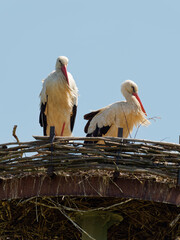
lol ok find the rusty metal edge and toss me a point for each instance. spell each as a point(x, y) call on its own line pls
point(78, 186)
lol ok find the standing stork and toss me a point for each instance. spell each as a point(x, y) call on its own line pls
point(125, 114)
point(59, 98)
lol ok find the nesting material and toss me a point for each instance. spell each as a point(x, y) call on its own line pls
point(54, 217)
point(147, 159)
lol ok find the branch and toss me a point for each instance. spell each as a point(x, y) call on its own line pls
point(14, 134)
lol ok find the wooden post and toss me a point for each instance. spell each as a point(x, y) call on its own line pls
point(120, 132)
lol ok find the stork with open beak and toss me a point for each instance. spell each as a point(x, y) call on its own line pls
point(58, 100)
point(125, 114)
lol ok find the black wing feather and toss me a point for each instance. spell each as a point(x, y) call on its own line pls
point(73, 116)
point(98, 132)
point(89, 117)
point(43, 118)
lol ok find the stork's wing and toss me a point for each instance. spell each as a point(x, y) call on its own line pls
point(73, 116)
point(89, 117)
point(74, 100)
point(43, 103)
point(98, 131)
point(43, 119)
point(98, 123)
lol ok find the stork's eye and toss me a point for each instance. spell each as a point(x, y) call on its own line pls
point(133, 88)
point(60, 61)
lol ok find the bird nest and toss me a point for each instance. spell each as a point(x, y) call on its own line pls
point(133, 157)
point(55, 217)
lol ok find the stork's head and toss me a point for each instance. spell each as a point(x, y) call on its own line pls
point(61, 65)
point(129, 90)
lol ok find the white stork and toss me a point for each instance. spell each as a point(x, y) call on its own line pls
point(125, 114)
point(59, 98)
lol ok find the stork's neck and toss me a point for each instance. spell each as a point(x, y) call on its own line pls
point(60, 73)
point(131, 99)
point(128, 96)
point(58, 70)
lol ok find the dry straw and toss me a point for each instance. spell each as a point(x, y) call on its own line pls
point(54, 218)
point(131, 156)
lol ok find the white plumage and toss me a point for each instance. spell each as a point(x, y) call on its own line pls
point(59, 99)
point(125, 114)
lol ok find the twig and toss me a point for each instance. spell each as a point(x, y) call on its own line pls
point(14, 134)
point(175, 221)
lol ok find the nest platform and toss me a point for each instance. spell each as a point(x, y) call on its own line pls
point(45, 186)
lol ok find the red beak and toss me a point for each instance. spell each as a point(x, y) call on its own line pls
point(137, 97)
point(63, 69)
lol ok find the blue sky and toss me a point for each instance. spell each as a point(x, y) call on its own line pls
point(106, 42)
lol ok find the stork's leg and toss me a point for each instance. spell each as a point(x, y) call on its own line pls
point(62, 131)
